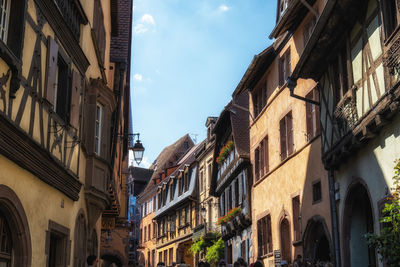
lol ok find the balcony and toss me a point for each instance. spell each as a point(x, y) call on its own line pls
point(391, 58)
point(346, 112)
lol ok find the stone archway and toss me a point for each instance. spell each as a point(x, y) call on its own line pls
point(317, 243)
point(357, 221)
point(12, 211)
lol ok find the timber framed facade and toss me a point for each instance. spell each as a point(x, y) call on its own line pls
point(58, 185)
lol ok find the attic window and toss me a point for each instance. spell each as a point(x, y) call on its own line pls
point(283, 5)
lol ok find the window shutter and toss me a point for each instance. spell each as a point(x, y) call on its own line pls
point(261, 159)
point(288, 64)
point(282, 128)
point(75, 99)
point(289, 124)
point(257, 163)
point(240, 190)
point(259, 237)
point(309, 119)
point(51, 72)
point(281, 67)
point(317, 112)
point(266, 159)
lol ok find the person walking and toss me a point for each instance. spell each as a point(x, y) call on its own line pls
point(92, 261)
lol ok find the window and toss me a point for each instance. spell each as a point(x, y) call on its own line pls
point(57, 239)
point(149, 233)
point(145, 234)
point(165, 256)
point(296, 217)
point(12, 26)
point(222, 204)
point(236, 183)
point(141, 235)
point(259, 99)
point(4, 19)
point(317, 193)
point(283, 5)
point(159, 256)
point(154, 230)
point(390, 16)
point(171, 256)
point(98, 126)
point(186, 181)
point(180, 185)
point(312, 115)
point(208, 182)
point(284, 67)
point(229, 192)
point(6, 244)
point(261, 166)
point(62, 90)
point(286, 135)
point(171, 192)
point(264, 235)
point(187, 214)
point(201, 181)
point(99, 30)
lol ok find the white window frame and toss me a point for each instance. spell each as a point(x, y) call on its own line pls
point(4, 19)
point(97, 130)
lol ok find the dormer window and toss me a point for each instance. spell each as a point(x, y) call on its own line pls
point(283, 5)
point(4, 19)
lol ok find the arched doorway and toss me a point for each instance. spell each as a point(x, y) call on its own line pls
point(357, 221)
point(317, 244)
point(80, 241)
point(285, 240)
point(15, 245)
point(111, 261)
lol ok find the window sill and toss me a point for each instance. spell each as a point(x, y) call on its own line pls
point(297, 243)
point(317, 201)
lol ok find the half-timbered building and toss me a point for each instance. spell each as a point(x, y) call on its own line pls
point(176, 210)
point(353, 55)
point(62, 135)
point(231, 178)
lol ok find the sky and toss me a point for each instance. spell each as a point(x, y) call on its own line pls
point(188, 56)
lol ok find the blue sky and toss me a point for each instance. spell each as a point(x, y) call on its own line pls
point(187, 58)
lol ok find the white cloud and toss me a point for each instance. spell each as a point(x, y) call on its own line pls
point(138, 77)
point(140, 28)
point(223, 8)
point(147, 18)
point(144, 164)
point(145, 23)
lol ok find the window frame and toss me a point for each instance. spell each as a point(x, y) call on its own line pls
point(286, 136)
point(264, 236)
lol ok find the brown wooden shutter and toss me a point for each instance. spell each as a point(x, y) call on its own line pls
point(261, 147)
point(281, 71)
point(317, 112)
point(282, 129)
point(260, 239)
point(309, 116)
point(75, 99)
point(289, 124)
point(51, 71)
point(257, 163)
point(288, 64)
point(266, 159)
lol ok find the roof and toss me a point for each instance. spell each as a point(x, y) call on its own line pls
point(256, 70)
point(236, 114)
point(140, 174)
point(170, 154)
point(186, 160)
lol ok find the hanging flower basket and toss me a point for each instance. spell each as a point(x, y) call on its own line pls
point(224, 152)
point(229, 216)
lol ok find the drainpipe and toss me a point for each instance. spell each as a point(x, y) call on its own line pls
point(334, 217)
point(291, 83)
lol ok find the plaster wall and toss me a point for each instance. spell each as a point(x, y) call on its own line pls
point(41, 203)
point(374, 164)
point(149, 245)
point(294, 176)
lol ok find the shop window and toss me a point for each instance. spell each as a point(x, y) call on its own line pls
point(286, 135)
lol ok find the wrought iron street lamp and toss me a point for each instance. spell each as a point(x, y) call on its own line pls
point(137, 148)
